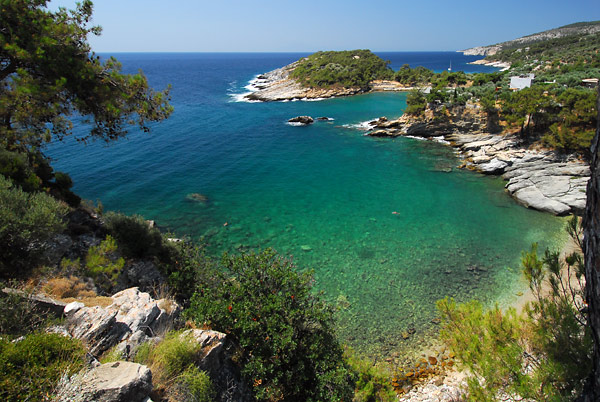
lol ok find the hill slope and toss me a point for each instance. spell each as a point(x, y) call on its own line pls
point(577, 30)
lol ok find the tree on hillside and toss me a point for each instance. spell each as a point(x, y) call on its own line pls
point(48, 74)
point(526, 108)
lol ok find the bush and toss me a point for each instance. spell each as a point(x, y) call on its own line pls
point(289, 350)
point(189, 268)
point(169, 358)
point(348, 68)
point(372, 383)
point(103, 264)
point(31, 368)
point(172, 362)
point(26, 221)
point(193, 385)
point(137, 239)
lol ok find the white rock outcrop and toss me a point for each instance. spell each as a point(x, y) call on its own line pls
point(111, 382)
point(133, 318)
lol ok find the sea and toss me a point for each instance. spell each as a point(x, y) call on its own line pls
point(388, 226)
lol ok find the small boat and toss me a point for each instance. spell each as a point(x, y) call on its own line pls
point(450, 68)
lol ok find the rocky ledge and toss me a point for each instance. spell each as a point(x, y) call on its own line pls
point(537, 178)
point(277, 85)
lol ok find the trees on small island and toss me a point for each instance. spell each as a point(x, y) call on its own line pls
point(349, 68)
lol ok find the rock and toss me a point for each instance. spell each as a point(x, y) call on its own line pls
point(213, 344)
point(197, 197)
point(142, 274)
point(133, 318)
point(276, 85)
point(382, 133)
point(73, 307)
point(532, 197)
point(111, 382)
point(43, 304)
point(56, 249)
point(216, 361)
point(325, 119)
point(305, 120)
point(306, 248)
point(96, 327)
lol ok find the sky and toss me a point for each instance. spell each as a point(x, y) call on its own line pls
point(312, 25)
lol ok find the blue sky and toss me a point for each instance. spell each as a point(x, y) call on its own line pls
point(311, 25)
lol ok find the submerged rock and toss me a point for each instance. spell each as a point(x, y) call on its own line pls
point(197, 197)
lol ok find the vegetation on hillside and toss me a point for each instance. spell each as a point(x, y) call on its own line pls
point(348, 68)
point(557, 110)
point(285, 332)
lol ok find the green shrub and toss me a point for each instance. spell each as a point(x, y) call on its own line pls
point(169, 358)
point(193, 385)
point(142, 353)
point(189, 268)
point(137, 239)
point(112, 355)
point(31, 368)
point(289, 350)
point(372, 383)
point(174, 373)
point(26, 221)
point(103, 264)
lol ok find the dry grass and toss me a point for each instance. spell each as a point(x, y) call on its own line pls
point(68, 287)
point(72, 288)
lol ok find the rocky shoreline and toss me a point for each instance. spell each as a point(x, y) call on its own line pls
point(537, 178)
point(502, 65)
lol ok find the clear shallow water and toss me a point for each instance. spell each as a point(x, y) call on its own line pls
point(389, 226)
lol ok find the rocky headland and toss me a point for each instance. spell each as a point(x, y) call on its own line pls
point(277, 85)
point(537, 178)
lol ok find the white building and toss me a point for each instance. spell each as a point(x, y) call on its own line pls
point(519, 82)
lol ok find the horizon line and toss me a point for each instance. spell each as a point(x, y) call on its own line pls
point(269, 51)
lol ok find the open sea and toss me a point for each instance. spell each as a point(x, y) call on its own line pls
point(388, 226)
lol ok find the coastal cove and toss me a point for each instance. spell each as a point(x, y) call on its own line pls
point(388, 225)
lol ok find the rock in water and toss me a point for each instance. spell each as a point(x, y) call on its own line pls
point(305, 120)
point(110, 382)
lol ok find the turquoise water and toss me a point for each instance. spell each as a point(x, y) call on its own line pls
point(388, 226)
